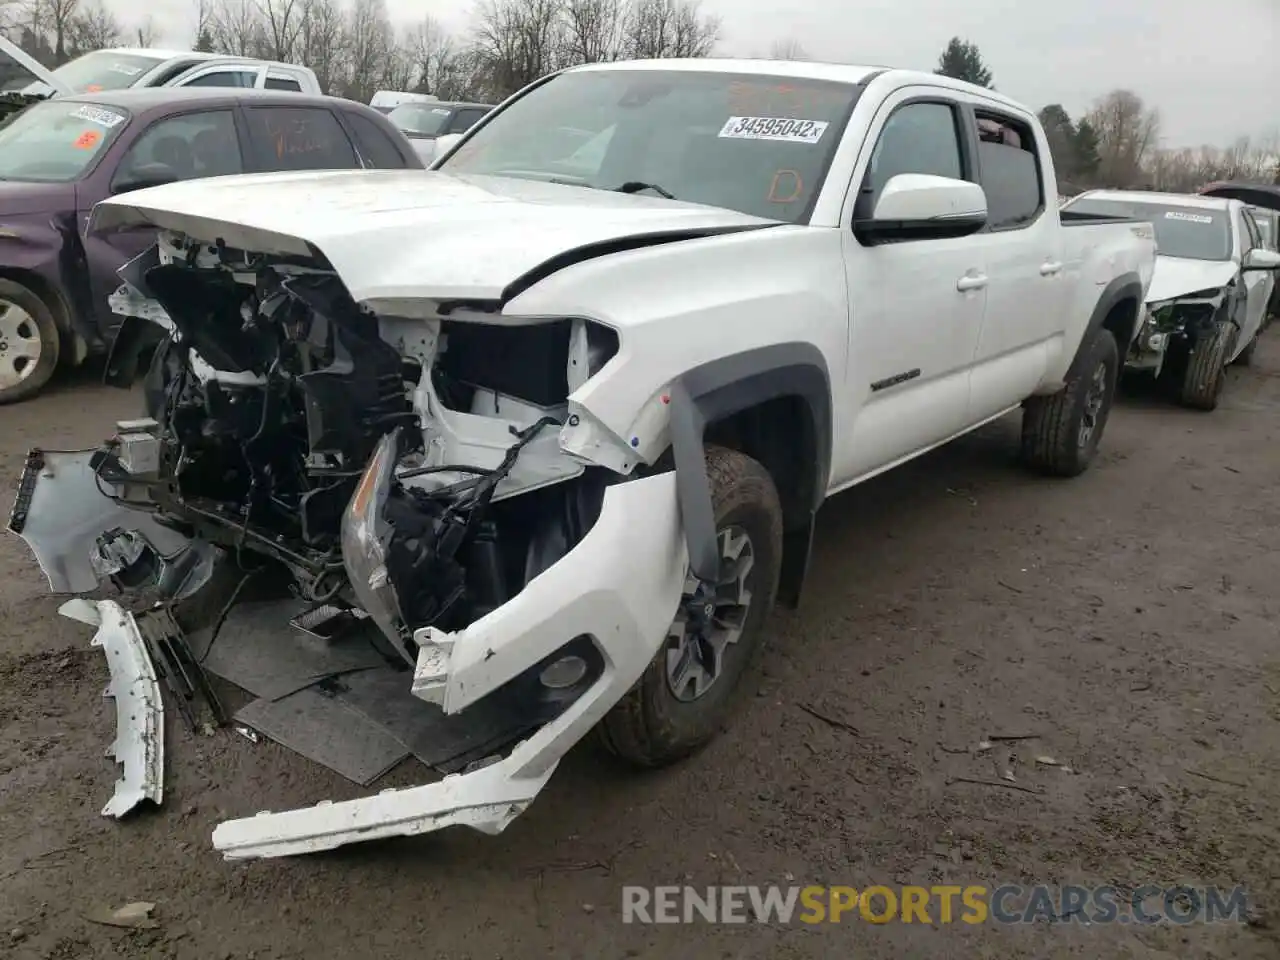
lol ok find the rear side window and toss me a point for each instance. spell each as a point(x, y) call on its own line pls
point(283, 83)
point(918, 138)
point(300, 138)
point(375, 146)
point(1010, 171)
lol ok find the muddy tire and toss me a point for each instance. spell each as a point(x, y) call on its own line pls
point(1207, 368)
point(1061, 432)
point(674, 709)
point(30, 344)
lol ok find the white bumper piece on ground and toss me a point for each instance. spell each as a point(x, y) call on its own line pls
point(620, 585)
point(139, 743)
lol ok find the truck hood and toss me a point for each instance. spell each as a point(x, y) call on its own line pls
point(1177, 277)
point(20, 197)
point(414, 235)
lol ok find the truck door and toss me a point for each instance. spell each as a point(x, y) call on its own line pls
point(916, 306)
point(1025, 259)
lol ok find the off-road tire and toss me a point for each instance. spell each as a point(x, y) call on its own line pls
point(1207, 368)
point(50, 342)
point(649, 727)
point(1051, 425)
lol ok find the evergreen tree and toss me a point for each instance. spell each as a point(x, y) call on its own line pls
point(962, 61)
point(1061, 134)
point(1087, 157)
point(204, 42)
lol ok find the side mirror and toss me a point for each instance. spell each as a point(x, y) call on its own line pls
point(146, 175)
point(919, 206)
point(1261, 259)
point(443, 145)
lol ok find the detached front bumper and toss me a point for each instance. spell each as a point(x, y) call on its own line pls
point(620, 586)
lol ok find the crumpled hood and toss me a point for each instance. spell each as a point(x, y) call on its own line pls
point(397, 235)
point(1177, 277)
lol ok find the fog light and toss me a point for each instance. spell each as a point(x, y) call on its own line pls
point(564, 673)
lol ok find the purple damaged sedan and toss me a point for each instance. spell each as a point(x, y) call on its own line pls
point(61, 156)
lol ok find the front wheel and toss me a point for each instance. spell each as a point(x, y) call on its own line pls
point(1061, 432)
point(1206, 370)
point(29, 343)
point(686, 693)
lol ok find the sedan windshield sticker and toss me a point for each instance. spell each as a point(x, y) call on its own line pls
point(774, 128)
point(103, 118)
point(127, 69)
point(1189, 217)
point(88, 140)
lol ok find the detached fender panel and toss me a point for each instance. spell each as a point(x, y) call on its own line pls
point(721, 388)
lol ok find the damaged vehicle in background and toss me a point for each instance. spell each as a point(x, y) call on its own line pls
point(1264, 201)
point(462, 465)
point(1209, 299)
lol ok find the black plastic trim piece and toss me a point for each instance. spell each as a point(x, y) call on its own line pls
point(1126, 286)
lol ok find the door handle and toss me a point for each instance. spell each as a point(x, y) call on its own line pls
point(971, 281)
point(1050, 267)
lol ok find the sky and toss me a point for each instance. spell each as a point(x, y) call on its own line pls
point(1212, 68)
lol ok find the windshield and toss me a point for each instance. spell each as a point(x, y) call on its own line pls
point(1194, 233)
point(105, 70)
point(56, 141)
point(758, 145)
point(419, 119)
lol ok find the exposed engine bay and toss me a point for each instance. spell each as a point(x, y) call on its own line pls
point(271, 394)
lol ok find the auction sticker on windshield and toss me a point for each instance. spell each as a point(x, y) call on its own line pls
point(103, 118)
point(1189, 217)
point(774, 128)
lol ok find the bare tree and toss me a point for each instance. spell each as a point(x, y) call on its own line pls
point(669, 28)
point(145, 33)
point(518, 41)
point(55, 17)
point(593, 30)
point(93, 27)
point(323, 42)
point(788, 49)
point(369, 47)
point(432, 53)
point(1128, 132)
point(281, 25)
point(236, 27)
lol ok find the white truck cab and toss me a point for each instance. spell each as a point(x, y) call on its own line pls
point(122, 67)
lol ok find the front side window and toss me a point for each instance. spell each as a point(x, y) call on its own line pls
point(918, 138)
point(1192, 233)
point(186, 147)
point(105, 71)
point(224, 78)
point(283, 83)
point(57, 141)
point(300, 138)
point(758, 145)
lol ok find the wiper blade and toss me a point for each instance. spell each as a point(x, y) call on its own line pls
point(635, 186)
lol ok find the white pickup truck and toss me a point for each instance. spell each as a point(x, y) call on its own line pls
point(528, 446)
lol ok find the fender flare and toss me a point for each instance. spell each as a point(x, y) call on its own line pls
point(729, 385)
point(1126, 286)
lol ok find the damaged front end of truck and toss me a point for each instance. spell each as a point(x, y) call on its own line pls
point(403, 528)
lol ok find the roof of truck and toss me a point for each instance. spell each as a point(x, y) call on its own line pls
point(163, 54)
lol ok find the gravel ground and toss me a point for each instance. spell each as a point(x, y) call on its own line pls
point(1126, 618)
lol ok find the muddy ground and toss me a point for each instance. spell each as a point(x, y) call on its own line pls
point(1126, 618)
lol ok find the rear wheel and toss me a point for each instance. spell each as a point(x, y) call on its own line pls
point(687, 691)
point(1061, 433)
point(29, 343)
point(1207, 367)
